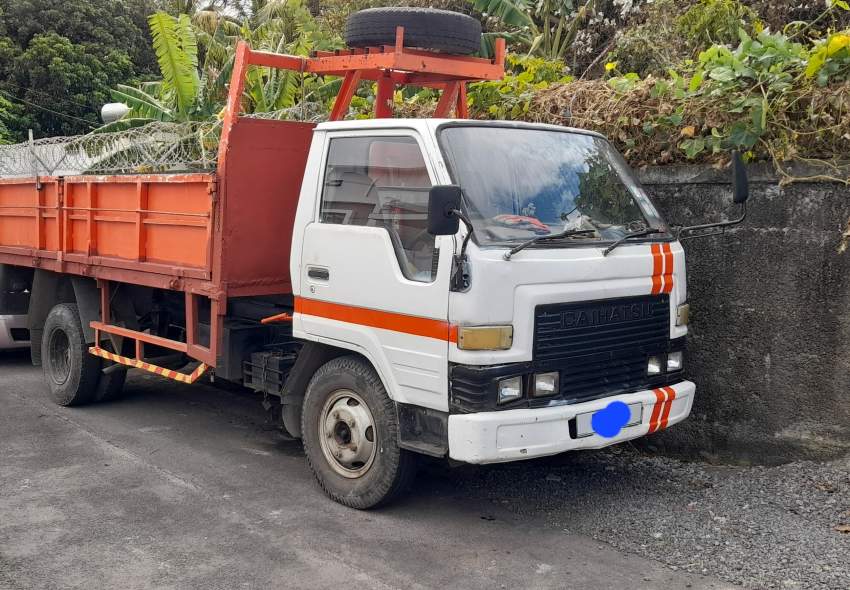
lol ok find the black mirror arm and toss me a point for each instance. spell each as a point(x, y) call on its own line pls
point(687, 233)
point(460, 273)
point(469, 229)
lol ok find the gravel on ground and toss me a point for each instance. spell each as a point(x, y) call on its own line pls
point(758, 527)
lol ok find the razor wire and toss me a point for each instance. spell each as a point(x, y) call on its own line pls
point(159, 147)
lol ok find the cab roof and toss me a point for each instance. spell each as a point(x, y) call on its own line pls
point(432, 125)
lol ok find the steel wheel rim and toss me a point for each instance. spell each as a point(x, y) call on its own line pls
point(347, 434)
point(59, 357)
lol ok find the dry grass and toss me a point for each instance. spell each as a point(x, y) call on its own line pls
point(810, 124)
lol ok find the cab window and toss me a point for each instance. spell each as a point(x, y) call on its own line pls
point(383, 182)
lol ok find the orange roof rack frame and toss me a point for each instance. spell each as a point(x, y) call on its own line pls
point(391, 66)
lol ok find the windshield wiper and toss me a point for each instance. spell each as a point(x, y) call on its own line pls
point(637, 234)
point(531, 242)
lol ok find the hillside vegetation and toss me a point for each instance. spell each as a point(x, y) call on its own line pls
point(667, 80)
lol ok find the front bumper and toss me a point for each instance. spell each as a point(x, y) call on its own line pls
point(509, 435)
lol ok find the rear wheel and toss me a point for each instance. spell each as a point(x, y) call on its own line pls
point(72, 374)
point(350, 434)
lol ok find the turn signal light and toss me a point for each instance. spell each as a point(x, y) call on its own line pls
point(485, 337)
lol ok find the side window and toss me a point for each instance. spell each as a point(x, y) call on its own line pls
point(383, 182)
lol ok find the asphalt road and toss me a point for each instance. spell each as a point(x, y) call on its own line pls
point(193, 487)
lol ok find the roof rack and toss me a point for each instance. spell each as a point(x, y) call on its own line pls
point(391, 66)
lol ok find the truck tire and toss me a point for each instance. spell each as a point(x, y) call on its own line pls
point(350, 435)
point(426, 28)
point(71, 373)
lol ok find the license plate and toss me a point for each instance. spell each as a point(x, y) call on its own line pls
point(584, 426)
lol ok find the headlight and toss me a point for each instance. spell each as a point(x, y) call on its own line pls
point(510, 389)
point(675, 361)
point(653, 367)
point(545, 384)
point(485, 337)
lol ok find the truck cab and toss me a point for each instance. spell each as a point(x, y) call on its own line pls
point(505, 356)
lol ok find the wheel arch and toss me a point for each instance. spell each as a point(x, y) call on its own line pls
point(314, 355)
point(49, 289)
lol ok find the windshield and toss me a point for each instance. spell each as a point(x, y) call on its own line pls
point(521, 183)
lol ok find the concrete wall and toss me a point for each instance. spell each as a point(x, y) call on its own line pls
point(770, 330)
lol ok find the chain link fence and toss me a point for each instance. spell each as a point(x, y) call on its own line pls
point(153, 148)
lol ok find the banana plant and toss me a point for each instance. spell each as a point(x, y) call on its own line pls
point(544, 28)
point(175, 97)
point(196, 54)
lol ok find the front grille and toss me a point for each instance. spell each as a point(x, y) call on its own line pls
point(601, 347)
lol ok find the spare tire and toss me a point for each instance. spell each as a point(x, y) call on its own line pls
point(426, 28)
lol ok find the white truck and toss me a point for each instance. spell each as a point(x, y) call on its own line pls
point(479, 291)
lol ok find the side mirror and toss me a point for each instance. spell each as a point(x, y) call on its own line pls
point(442, 200)
point(740, 179)
point(740, 194)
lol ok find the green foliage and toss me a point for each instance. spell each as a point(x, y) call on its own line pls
point(772, 97)
point(177, 53)
point(654, 45)
point(7, 113)
point(546, 28)
point(673, 32)
point(177, 96)
point(715, 21)
point(58, 87)
point(102, 26)
point(66, 78)
point(830, 59)
point(511, 97)
point(757, 80)
point(196, 55)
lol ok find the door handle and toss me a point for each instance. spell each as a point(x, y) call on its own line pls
point(320, 274)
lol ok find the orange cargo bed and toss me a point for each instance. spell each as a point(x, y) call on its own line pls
point(201, 233)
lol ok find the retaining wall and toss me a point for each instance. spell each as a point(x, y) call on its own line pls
point(770, 325)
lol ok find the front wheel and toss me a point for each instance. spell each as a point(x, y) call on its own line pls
point(350, 434)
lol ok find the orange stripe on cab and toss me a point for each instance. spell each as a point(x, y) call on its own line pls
point(657, 268)
point(374, 318)
point(668, 268)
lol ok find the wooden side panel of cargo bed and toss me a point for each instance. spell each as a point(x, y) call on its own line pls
point(264, 168)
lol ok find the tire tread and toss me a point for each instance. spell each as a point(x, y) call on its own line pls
point(427, 28)
point(87, 375)
point(388, 489)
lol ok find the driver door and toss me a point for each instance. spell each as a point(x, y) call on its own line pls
point(373, 279)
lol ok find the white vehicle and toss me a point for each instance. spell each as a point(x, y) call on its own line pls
point(478, 291)
point(14, 332)
point(14, 303)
